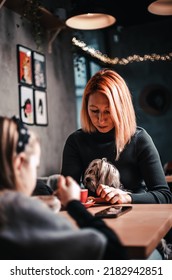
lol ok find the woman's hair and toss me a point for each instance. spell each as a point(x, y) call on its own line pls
point(13, 142)
point(111, 84)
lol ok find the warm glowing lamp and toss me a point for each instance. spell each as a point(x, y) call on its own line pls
point(161, 7)
point(86, 16)
point(90, 21)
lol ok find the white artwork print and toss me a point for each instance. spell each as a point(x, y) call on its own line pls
point(41, 107)
point(26, 105)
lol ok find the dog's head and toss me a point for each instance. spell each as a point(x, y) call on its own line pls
point(100, 171)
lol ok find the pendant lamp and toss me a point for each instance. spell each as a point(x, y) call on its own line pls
point(86, 16)
point(161, 7)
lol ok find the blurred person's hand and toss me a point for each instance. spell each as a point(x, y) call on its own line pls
point(67, 190)
point(113, 195)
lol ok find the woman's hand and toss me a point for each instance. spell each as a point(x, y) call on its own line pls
point(113, 195)
point(67, 190)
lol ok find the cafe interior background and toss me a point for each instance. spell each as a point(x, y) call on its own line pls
point(138, 45)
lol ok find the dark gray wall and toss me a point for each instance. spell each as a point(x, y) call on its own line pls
point(60, 85)
point(147, 39)
point(144, 39)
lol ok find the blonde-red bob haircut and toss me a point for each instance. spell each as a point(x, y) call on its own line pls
point(111, 84)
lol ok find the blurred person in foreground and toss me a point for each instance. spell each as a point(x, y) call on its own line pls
point(29, 229)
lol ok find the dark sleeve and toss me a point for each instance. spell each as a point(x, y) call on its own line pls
point(152, 172)
point(71, 162)
point(114, 249)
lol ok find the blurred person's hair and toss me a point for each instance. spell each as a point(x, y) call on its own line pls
point(13, 142)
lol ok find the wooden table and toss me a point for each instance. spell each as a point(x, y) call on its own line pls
point(140, 229)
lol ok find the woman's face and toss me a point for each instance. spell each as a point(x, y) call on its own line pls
point(99, 112)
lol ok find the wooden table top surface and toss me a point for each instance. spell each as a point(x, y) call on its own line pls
point(140, 229)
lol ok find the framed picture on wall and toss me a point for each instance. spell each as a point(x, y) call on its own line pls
point(24, 61)
point(39, 70)
point(41, 112)
point(26, 106)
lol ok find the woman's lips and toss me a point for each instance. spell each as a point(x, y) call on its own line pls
point(102, 127)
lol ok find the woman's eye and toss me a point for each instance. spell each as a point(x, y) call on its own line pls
point(107, 112)
point(95, 111)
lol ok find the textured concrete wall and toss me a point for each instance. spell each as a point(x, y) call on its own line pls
point(146, 39)
point(60, 85)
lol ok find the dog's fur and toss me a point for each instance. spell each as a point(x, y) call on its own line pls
point(100, 171)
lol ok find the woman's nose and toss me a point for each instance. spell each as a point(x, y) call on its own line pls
point(101, 117)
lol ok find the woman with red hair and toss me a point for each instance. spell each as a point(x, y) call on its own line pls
point(109, 130)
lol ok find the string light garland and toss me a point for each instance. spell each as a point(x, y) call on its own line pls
point(121, 61)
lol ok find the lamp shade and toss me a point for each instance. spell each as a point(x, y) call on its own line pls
point(161, 7)
point(90, 21)
point(88, 15)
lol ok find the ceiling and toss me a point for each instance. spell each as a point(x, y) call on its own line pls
point(126, 12)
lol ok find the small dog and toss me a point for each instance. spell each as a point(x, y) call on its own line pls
point(100, 171)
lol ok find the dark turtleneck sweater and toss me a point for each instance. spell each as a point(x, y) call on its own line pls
point(139, 164)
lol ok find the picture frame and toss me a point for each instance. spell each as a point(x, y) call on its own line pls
point(24, 61)
point(39, 70)
point(41, 108)
point(26, 104)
